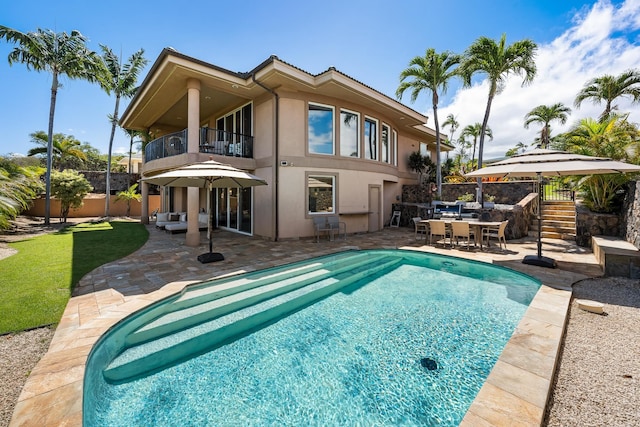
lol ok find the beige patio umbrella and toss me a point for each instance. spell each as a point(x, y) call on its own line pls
point(542, 162)
point(209, 174)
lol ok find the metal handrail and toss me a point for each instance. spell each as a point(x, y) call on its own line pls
point(212, 141)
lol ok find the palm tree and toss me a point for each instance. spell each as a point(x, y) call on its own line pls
point(120, 79)
point(474, 131)
point(545, 114)
point(60, 54)
point(497, 61)
point(607, 88)
point(431, 72)
point(63, 147)
point(132, 135)
point(453, 125)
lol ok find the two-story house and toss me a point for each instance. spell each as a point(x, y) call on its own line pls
point(325, 144)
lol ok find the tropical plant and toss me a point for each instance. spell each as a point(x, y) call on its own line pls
point(121, 79)
point(69, 187)
point(132, 135)
point(545, 114)
point(64, 147)
point(431, 72)
point(608, 88)
point(498, 61)
point(129, 195)
point(18, 187)
point(611, 138)
point(474, 131)
point(453, 125)
point(60, 54)
point(520, 147)
point(417, 164)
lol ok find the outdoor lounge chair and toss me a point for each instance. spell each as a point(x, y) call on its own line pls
point(320, 226)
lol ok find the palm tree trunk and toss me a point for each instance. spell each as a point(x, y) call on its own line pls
point(52, 110)
point(114, 123)
point(130, 149)
point(485, 121)
point(438, 165)
point(473, 156)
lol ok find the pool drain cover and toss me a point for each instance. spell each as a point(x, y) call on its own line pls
point(429, 363)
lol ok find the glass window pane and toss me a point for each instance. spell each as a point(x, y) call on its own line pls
point(349, 134)
point(384, 150)
point(370, 139)
point(321, 193)
point(320, 129)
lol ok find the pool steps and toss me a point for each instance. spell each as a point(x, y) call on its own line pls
point(207, 315)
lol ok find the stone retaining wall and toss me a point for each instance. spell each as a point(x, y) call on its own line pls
point(631, 214)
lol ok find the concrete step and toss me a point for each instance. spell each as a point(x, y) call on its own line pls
point(184, 313)
point(552, 235)
point(186, 342)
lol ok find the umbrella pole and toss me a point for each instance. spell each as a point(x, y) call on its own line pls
point(210, 256)
point(540, 260)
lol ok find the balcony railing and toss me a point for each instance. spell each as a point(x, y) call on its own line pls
point(212, 141)
point(225, 143)
point(168, 145)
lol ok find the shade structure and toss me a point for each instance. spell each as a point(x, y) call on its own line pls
point(542, 162)
point(209, 174)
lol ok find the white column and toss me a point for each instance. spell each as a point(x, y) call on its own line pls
point(193, 139)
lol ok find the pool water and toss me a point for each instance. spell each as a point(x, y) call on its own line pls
point(412, 345)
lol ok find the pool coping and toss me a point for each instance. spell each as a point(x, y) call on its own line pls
point(515, 392)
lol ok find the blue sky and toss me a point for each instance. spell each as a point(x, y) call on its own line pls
point(371, 41)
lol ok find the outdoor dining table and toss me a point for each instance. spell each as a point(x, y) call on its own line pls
point(477, 226)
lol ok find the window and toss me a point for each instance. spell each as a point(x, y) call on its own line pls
point(395, 148)
point(370, 139)
point(349, 134)
point(384, 140)
point(320, 129)
point(424, 149)
point(321, 190)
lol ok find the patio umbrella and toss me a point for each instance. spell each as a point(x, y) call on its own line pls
point(209, 174)
point(542, 162)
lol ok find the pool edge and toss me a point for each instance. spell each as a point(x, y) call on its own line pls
point(517, 390)
point(53, 392)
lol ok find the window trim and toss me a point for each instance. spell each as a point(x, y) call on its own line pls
point(358, 151)
point(333, 128)
point(395, 147)
point(388, 150)
point(334, 177)
point(377, 140)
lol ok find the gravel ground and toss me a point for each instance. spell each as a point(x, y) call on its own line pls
point(597, 383)
point(19, 353)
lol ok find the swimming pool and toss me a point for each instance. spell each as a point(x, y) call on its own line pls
point(381, 337)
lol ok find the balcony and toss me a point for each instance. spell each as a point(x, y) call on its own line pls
point(212, 141)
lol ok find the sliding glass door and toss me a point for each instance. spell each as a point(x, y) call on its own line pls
point(234, 209)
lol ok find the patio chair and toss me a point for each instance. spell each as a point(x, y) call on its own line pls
point(496, 233)
point(461, 229)
point(438, 228)
point(335, 225)
point(419, 227)
point(320, 225)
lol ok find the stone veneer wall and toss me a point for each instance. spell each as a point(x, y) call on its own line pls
point(631, 214)
point(505, 192)
point(595, 224)
point(119, 181)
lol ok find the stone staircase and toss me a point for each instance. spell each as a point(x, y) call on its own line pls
point(558, 220)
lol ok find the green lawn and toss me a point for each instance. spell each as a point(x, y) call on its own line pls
point(36, 283)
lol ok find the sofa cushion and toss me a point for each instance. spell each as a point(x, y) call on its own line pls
point(174, 217)
point(183, 217)
point(162, 216)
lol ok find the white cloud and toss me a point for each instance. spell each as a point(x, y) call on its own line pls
point(595, 45)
